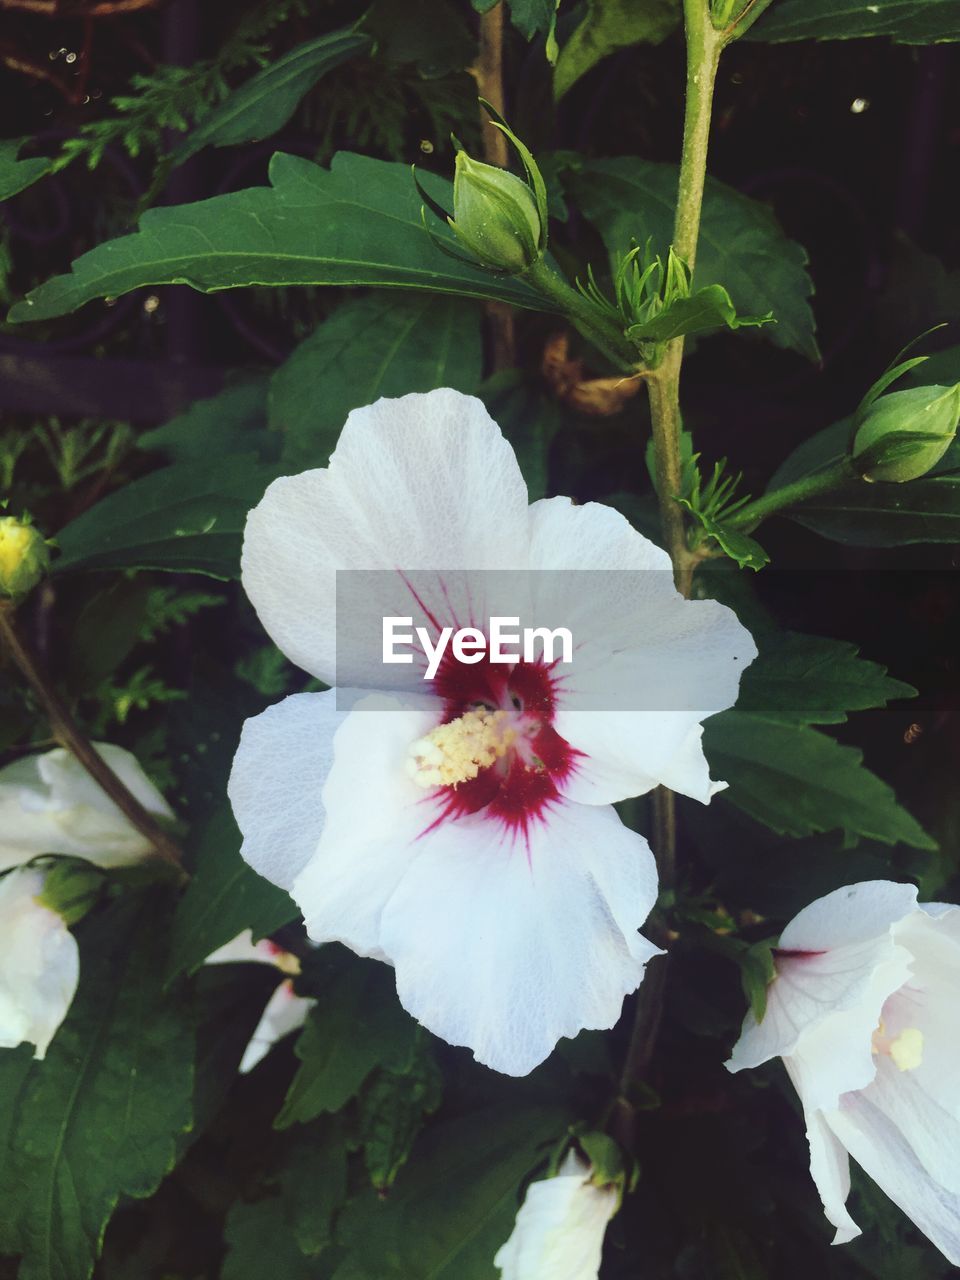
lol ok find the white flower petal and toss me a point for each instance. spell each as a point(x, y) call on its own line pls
point(243, 950)
point(830, 1170)
point(50, 804)
point(883, 1152)
point(855, 913)
point(668, 662)
point(836, 956)
point(933, 1133)
point(558, 1234)
point(933, 939)
point(285, 1013)
point(506, 947)
point(422, 482)
point(822, 1008)
point(276, 783)
point(39, 964)
point(376, 813)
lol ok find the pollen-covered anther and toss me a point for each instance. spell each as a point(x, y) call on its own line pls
point(456, 752)
point(906, 1049)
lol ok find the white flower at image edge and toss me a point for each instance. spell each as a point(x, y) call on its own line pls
point(863, 1011)
point(559, 1230)
point(50, 804)
point(484, 862)
point(284, 1012)
point(39, 963)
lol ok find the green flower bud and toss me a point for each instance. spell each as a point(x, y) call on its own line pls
point(24, 556)
point(495, 215)
point(903, 435)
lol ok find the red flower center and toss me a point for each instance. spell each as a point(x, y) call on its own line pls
point(518, 788)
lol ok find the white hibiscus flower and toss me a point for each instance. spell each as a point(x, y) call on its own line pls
point(39, 963)
point(558, 1234)
point(863, 1013)
point(50, 804)
point(465, 834)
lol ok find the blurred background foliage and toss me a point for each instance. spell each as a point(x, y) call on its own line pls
point(139, 430)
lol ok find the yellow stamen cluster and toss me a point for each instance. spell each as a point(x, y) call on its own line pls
point(906, 1049)
point(456, 752)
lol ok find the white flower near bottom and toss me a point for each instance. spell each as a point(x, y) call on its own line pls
point(285, 1011)
point(558, 1234)
point(463, 829)
point(50, 804)
point(39, 963)
point(864, 1013)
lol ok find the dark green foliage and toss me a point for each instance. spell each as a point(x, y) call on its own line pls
point(362, 1147)
point(100, 1116)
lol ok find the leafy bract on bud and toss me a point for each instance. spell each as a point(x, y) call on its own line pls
point(24, 556)
point(901, 436)
point(495, 215)
point(654, 302)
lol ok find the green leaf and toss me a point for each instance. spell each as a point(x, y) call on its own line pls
point(705, 311)
point(260, 1243)
point(283, 1231)
point(99, 1117)
point(940, 369)
point(187, 518)
point(741, 244)
point(533, 17)
point(224, 897)
point(746, 551)
point(263, 104)
point(392, 1111)
point(430, 35)
point(358, 222)
point(314, 1181)
point(356, 1026)
point(232, 421)
point(16, 175)
point(607, 26)
point(904, 21)
point(371, 347)
point(875, 515)
point(798, 782)
point(106, 631)
point(530, 17)
point(529, 420)
point(454, 1205)
point(799, 679)
point(757, 971)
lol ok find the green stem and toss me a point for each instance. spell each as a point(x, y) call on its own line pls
point(831, 477)
point(663, 387)
point(704, 46)
point(602, 332)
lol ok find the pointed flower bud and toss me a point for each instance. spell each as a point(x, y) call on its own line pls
point(24, 556)
point(901, 436)
point(496, 215)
